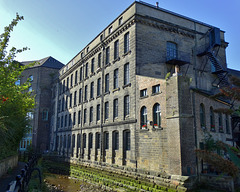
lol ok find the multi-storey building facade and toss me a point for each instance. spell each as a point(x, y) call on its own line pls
point(138, 95)
point(41, 75)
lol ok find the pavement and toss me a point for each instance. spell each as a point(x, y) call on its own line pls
point(7, 178)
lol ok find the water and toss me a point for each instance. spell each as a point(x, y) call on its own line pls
point(57, 183)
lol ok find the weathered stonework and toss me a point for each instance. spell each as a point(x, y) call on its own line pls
point(148, 146)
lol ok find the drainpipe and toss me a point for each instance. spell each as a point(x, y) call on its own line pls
point(102, 103)
point(193, 94)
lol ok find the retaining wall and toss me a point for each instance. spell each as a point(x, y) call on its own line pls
point(7, 164)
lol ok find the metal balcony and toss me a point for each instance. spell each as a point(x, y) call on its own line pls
point(177, 58)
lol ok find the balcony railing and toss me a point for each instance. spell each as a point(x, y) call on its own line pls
point(177, 58)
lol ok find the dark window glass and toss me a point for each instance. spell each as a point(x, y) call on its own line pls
point(99, 86)
point(86, 70)
point(115, 79)
point(126, 43)
point(107, 83)
point(92, 90)
point(80, 96)
point(126, 74)
point(116, 49)
point(92, 65)
point(76, 77)
point(143, 116)
point(126, 105)
point(157, 115)
point(115, 108)
point(85, 95)
point(91, 114)
point(106, 140)
point(107, 55)
point(98, 112)
point(99, 59)
point(106, 110)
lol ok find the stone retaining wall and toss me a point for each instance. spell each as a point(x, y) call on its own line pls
point(7, 164)
point(218, 182)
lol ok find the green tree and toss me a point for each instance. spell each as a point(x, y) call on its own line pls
point(15, 100)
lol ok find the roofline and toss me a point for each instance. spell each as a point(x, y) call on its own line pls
point(173, 13)
point(142, 3)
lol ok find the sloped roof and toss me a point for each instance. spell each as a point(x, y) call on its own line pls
point(49, 62)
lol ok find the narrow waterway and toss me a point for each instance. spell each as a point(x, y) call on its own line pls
point(62, 183)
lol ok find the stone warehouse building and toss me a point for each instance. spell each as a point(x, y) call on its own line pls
point(41, 75)
point(138, 95)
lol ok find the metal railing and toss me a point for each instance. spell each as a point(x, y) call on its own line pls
point(22, 180)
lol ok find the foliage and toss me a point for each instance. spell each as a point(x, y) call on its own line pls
point(220, 163)
point(15, 100)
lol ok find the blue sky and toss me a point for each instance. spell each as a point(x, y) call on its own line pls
point(61, 28)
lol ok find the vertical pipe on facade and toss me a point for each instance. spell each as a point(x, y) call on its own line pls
point(136, 113)
point(193, 95)
point(102, 102)
point(82, 112)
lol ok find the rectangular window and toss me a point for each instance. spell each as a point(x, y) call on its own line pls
point(71, 80)
point(62, 104)
point(85, 116)
point(99, 59)
point(98, 112)
point(115, 108)
point(62, 121)
point(91, 115)
point(156, 89)
point(80, 96)
point(92, 65)
point(220, 124)
point(126, 42)
point(67, 83)
point(115, 140)
point(227, 124)
point(85, 95)
point(107, 55)
point(75, 98)
point(120, 20)
point(107, 83)
point(126, 105)
point(63, 86)
point(74, 118)
point(110, 30)
point(79, 117)
point(99, 86)
point(90, 143)
point(86, 70)
point(127, 140)
point(143, 93)
point(65, 121)
point(76, 77)
point(116, 49)
point(106, 110)
point(115, 79)
point(69, 120)
point(81, 74)
point(126, 74)
point(106, 140)
point(92, 90)
point(84, 140)
point(70, 102)
point(98, 140)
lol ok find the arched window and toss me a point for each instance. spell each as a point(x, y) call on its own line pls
point(157, 115)
point(202, 116)
point(171, 51)
point(212, 120)
point(143, 117)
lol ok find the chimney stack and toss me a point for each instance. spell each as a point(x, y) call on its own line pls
point(157, 5)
